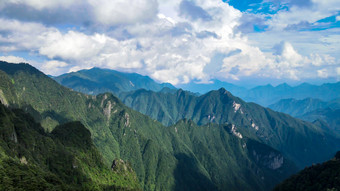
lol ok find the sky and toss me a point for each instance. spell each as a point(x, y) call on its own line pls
point(178, 41)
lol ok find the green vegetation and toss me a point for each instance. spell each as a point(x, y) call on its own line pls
point(183, 156)
point(325, 176)
point(66, 159)
point(302, 142)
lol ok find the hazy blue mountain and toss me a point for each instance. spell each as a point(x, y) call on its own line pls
point(326, 114)
point(296, 107)
point(214, 85)
point(323, 176)
point(181, 157)
point(266, 95)
point(95, 81)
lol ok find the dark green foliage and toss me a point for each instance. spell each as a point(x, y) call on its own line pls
point(31, 159)
point(96, 81)
point(73, 134)
point(325, 176)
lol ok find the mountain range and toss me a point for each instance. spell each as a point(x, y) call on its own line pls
point(326, 114)
point(215, 141)
point(96, 80)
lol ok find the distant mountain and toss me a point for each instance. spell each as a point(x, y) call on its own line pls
point(180, 157)
point(95, 81)
point(296, 107)
point(323, 176)
point(311, 110)
point(214, 85)
point(328, 115)
point(65, 159)
point(267, 95)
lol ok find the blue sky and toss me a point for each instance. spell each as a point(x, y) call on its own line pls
point(178, 41)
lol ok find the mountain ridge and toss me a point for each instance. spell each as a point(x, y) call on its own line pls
point(156, 153)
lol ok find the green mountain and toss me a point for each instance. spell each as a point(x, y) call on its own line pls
point(294, 137)
point(325, 176)
point(182, 157)
point(95, 81)
point(65, 159)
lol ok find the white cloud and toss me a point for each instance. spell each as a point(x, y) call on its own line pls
point(13, 59)
point(54, 67)
point(337, 18)
point(72, 45)
point(95, 12)
point(323, 73)
point(110, 12)
point(38, 4)
point(165, 45)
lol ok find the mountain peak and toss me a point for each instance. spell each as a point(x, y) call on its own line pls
point(11, 69)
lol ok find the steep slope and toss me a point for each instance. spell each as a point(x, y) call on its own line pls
point(95, 81)
point(224, 154)
point(156, 153)
point(325, 176)
point(295, 138)
point(66, 159)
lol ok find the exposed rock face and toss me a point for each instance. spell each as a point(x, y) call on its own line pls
point(236, 106)
point(23, 160)
point(234, 132)
point(119, 165)
point(107, 110)
point(3, 99)
point(127, 120)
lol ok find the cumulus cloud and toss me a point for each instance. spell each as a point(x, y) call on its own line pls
point(54, 67)
point(88, 12)
point(13, 59)
point(323, 73)
point(172, 41)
